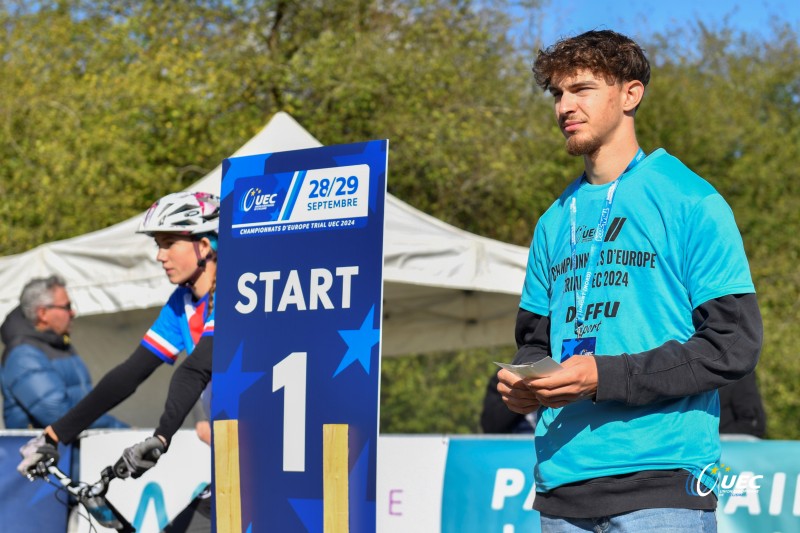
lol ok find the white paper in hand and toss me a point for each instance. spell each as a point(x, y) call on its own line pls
point(539, 369)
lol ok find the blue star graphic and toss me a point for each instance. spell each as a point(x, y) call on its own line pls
point(241, 167)
point(229, 385)
point(373, 150)
point(359, 343)
point(568, 348)
point(310, 511)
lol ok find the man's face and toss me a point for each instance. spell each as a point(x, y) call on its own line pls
point(588, 110)
point(58, 315)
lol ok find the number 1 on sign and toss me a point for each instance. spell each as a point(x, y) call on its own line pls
point(290, 375)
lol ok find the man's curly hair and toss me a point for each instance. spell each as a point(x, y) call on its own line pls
point(605, 53)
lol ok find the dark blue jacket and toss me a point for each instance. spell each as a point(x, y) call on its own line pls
point(41, 376)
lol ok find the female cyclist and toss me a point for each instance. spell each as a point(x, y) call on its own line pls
point(184, 226)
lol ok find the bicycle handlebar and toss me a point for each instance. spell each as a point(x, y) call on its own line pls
point(92, 497)
point(152, 452)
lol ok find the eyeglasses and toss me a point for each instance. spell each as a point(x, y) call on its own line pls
point(67, 307)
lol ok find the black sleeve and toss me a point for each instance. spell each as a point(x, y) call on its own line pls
point(741, 408)
point(532, 333)
point(495, 416)
point(119, 383)
point(185, 388)
point(724, 348)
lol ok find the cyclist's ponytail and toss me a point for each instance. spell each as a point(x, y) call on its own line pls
point(211, 294)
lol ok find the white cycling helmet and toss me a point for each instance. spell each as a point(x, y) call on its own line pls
point(187, 213)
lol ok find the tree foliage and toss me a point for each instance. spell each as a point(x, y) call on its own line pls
point(437, 393)
point(106, 105)
point(730, 109)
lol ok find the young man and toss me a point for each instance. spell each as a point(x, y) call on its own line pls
point(638, 284)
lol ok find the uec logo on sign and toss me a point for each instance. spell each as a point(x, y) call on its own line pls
point(254, 200)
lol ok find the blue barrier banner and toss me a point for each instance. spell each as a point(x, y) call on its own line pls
point(488, 486)
point(298, 316)
point(759, 486)
point(25, 506)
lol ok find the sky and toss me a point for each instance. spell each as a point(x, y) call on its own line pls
point(638, 18)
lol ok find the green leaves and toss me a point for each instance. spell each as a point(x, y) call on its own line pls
point(438, 393)
point(731, 112)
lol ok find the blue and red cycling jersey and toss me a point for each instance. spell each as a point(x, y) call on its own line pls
point(180, 325)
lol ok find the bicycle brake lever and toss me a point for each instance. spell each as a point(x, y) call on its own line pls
point(152, 454)
point(39, 470)
point(120, 469)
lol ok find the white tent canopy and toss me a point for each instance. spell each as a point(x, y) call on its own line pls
point(444, 288)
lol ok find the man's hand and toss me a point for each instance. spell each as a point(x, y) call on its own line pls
point(35, 451)
point(577, 381)
point(139, 458)
point(515, 393)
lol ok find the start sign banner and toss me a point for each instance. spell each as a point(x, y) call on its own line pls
point(297, 341)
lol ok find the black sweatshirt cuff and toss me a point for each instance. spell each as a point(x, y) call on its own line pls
point(612, 378)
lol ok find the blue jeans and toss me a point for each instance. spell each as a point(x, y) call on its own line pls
point(659, 520)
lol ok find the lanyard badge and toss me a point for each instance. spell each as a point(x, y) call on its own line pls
point(596, 246)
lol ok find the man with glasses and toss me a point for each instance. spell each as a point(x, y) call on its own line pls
point(42, 376)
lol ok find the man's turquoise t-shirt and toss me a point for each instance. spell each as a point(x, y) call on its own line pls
point(671, 244)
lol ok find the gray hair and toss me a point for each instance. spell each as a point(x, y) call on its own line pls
point(37, 293)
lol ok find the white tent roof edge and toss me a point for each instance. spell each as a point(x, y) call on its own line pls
point(114, 269)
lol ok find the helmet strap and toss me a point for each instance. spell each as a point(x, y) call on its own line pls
point(201, 265)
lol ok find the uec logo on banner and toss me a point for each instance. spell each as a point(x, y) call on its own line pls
point(728, 483)
point(255, 200)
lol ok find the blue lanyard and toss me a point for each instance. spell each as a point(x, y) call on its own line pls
point(597, 242)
